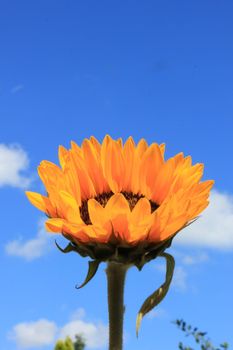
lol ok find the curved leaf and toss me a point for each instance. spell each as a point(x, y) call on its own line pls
point(69, 248)
point(92, 269)
point(155, 298)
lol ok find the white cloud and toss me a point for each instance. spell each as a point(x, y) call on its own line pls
point(179, 280)
point(17, 88)
point(80, 313)
point(156, 313)
point(34, 334)
point(215, 228)
point(43, 332)
point(195, 259)
point(13, 162)
point(31, 249)
point(95, 335)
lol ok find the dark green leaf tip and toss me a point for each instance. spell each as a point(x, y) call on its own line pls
point(92, 269)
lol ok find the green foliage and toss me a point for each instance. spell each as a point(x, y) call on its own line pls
point(64, 345)
point(59, 345)
point(79, 343)
point(67, 344)
point(200, 338)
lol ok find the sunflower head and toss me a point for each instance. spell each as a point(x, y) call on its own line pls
point(120, 202)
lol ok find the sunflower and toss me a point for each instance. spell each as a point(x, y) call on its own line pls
point(120, 202)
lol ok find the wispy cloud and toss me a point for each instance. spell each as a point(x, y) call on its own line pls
point(215, 228)
point(17, 88)
point(78, 314)
point(179, 281)
point(31, 249)
point(41, 333)
point(197, 258)
point(14, 162)
point(33, 334)
point(156, 313)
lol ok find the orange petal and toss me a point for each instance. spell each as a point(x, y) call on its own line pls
point(139, 152)
point(98, 214)
point(113, 164)
point(86, 234)
point(175, 225)
point(62, 154)
point(138, 234)
point(120, 225)
point(162, 183)
point(51, 175)
point(96, 144)
point(141, 212)
point(86, 185)
point(41, 202)
point(92, 160)
point(70, 208)
point(54, 225)
point(150, 166)
point(76, 148)
point(72, 180)
point(162, 147)
point(116, 205)
point(128, 154)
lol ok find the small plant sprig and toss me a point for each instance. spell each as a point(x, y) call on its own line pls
point(200, 337)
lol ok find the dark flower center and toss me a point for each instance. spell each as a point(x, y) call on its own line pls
point(103, 198)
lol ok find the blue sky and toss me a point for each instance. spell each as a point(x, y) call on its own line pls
point(161, 70)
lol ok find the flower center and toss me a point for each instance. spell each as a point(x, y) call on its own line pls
point(103, 198)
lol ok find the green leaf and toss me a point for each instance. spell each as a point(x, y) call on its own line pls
point(69, 248)
point(92, 269)
point(155, 298)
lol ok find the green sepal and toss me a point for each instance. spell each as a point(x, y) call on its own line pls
point(92, 269)
point(155, 298)
point(69, 248)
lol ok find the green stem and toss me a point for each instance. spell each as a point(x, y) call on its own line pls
point(116, 273)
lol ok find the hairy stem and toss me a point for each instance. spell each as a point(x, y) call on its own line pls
point(116, 278)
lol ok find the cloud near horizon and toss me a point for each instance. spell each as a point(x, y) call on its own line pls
point(36, 334)
point(41, 333)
